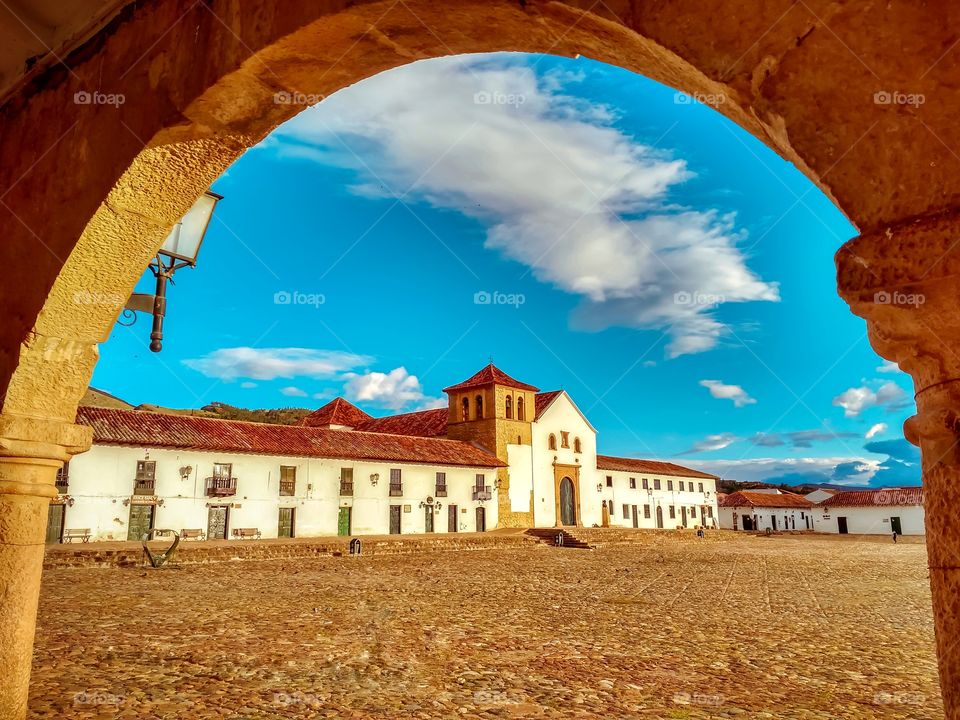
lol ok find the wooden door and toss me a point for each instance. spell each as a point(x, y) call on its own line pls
point(481, 519)
point(683, 515)
point(343, 522)
point(395, 511)
point(55, 517)
point(285, 523)
point(842, 525)
point(428, 519)
point(217, 522)
point(452, 521)
point(895, 526)
point(636, 519)
point(141, 521)
point(568, 513)
point(659, 516)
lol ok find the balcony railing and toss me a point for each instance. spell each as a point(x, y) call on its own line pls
point(221, 486)
point(145, 487)
point(396, 489)
point(346, 487)
point(441, 491)
point(288, 487)
point(482, 493)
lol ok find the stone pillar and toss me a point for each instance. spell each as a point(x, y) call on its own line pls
point(31, 452)
point(905, 281)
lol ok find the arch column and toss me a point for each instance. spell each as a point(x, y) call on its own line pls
point(31, 452)
point(904, 279)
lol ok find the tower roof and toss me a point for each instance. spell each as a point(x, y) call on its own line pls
point(337, 412)
point(490, 375)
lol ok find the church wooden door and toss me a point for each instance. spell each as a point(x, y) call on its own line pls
point(568, 512)
point(141, 521)
point(217, 522)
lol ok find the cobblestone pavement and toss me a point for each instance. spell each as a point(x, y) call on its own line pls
point(784, 627)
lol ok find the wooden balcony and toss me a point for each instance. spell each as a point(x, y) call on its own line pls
point(62, 484)
point(221, 486)
point(346, 487)
point(145, 487)
point(482, 493)
point(288, 487)
point(396, 489)
point(441, 491)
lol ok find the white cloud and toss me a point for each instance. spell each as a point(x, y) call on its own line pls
point(394, 390)
point(292, 391)
point(794, 471)
point(271, 363)
point(248, 385)
point(875, 430)
point(855, 400)
point(888, 367)
point(711, 443)
point(737, 394)
point(582, 204)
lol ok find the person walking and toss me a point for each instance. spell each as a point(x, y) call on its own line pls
point(894, 537)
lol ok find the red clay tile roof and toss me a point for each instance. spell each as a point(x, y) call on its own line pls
point(337, 412)
point(654, 467)
point(143, 429)
point(489, 375)
point(426, 423)
point(751, 498)
point(543, 400)
point(876, 498)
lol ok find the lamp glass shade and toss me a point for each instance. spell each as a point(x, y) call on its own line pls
point(184, 239)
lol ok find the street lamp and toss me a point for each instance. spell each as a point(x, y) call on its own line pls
point(179, 250)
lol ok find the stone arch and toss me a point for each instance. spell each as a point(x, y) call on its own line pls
point(88, 191)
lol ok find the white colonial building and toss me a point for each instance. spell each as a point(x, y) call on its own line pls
point(872, 512)
point(764, 509)
point(501, 454)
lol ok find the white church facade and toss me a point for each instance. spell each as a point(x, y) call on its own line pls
point(501, 454)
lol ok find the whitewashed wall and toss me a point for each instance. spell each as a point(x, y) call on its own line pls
point(623, 495)
point(871, 520)
point(787, 518)
point(102, 478)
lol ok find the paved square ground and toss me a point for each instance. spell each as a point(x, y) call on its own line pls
point(783, 627)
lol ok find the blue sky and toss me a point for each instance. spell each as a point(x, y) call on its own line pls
point(583, 226)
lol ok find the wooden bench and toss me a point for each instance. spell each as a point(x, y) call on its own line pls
point(196, 534)
point(82, 534)
point(244, 533)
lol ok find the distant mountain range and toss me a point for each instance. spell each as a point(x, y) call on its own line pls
point(215, 410)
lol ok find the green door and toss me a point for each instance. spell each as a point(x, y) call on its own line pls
point(55, 523)
point(343, 522)
point(141, 521)
point(285, 525)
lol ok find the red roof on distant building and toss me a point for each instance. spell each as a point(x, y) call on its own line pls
point(144, 429)
point(543, 400)
point(750, 498)
point(876, 498)
point(425, 423)
point(654, 467)
point(337, 412)
point(490, 375)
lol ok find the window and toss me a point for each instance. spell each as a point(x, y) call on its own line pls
point(693, 511)
point(656, 483)
point(63, 475)
point(801, 516)
point(626, 512)
point(633, 483)
point(673, 512)
point(480, 480)
point(609, 480)
point(576, 445)
point(396, 482)
point(682, 486)
point(465, 409)
point(346, 481)
point(646, 512)
point(699, 487)
point(146, 480)
point(552, 442)
point(479, 404)
point(520, 413)
point(288, 479)
point(564, 439)
point(509, 407)
point(670, 485)
point(441, 490)
point(646, 484)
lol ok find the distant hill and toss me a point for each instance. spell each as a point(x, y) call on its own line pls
point(216, 410)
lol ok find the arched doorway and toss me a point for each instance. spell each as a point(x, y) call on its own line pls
point(568, 507)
